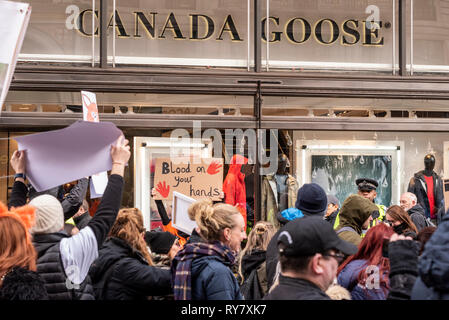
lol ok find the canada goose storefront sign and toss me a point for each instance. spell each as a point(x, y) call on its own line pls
point(152, 25)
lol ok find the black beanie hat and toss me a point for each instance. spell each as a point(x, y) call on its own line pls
point(159, 242)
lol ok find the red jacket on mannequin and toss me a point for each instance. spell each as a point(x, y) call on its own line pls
point(234, 185)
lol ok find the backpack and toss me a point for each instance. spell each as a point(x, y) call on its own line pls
point(254, 287)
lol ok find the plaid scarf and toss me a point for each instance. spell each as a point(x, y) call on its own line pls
point(182, 265)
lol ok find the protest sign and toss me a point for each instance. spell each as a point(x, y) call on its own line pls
point(180, 216)
point(60, 156)
point(98, 181)
point(196, 179)
point(14, 18)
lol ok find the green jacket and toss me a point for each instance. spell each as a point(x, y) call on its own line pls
point(353, 213)
point(269, 205)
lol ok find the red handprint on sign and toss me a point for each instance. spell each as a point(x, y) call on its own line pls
point(92, 110)
point(163, 189)
point(214, 168)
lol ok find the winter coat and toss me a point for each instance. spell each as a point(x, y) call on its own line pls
point(254, 273)
point(82, 220)
point(418, 186)
point(269, 205)
point(332, 217)
point(418, 216)
point(22, 284)
point(296, 289)
point(212, 279)
point(122, 273)
point(353, 214)
point(234, 185)
point(433, 266)
point(347, 278)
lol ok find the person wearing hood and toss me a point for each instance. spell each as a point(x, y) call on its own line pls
point(234, 185)
point(333, 206)
point(252, 261)
point(202, 270)
point(356, 213)
point(409, 203)
point(311, 200)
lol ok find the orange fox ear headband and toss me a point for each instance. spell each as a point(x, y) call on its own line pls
point(24, 214)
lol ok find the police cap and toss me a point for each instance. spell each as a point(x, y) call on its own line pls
point(366, 184)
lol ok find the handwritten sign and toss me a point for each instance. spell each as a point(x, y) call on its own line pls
point(90, 109)
point(180, 213)
point(196, 180)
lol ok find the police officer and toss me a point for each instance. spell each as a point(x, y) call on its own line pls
point(367, 188)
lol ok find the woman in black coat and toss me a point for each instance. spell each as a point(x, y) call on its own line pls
point(124, 269)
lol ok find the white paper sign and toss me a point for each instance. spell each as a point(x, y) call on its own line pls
point(14, 18)
point(180, 216)
point(90, 109)
point(98, 181)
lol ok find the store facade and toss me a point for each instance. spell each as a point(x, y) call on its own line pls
point(338, 83)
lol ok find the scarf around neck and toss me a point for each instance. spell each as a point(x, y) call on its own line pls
point(182, 265)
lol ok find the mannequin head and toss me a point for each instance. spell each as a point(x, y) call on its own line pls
point(283, 164)
point(429, 162)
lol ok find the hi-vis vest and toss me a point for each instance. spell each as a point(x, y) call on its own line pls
point(381, 217)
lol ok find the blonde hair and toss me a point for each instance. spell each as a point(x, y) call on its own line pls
point(212, 219)
point(129, 227)
point(259, 238)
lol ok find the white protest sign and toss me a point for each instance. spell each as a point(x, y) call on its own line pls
point(98, 181)
point(14, 18)
point(180, 216)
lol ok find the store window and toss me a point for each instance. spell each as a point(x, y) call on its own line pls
point(342, 35)
point(428, 45)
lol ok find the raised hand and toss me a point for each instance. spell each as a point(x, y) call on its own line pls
point(18, 161)
point(214, 168)
point(163, 189)
point(120, 155)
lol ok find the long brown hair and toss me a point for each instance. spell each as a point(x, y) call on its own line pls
point(16, 249)
point(258, 239)
point(129, 227)
point(399, 214)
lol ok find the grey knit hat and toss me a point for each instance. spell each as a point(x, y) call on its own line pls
point(49, 215)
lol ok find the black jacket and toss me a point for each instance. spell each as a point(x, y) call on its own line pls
point(418, 186)
point(121, 273)
point(433, 280)
point(253, 267)
point(418, 216)
point(82, 220)
point(332, 217)
point(70, 203)
point(296, 289)
point(50, 268)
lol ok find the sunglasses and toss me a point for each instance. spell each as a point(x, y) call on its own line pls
point(337, 256)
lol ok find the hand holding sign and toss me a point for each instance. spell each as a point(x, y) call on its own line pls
point(163, 189)
point(214, 168)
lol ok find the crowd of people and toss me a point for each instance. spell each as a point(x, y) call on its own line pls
point(319, 250)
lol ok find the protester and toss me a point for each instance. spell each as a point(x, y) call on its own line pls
point(355, 215)
point(201, 270)
point(124, 269)
point(401, 222)
point(409, 203)
point(433, 266)
point(309, 254)
point(333, 206)
point(163, 245)
point(252, 261)
point(311, 200)
point(18, 277)
point(365, 274)
point(82, 217)
point(424, 236)
point(64, 261)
